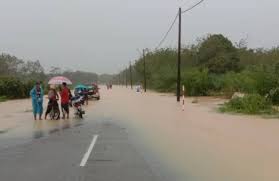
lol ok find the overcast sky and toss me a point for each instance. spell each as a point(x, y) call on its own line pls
point(103, 35)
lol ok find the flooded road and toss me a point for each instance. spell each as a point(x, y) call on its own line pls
point(18, 127)
point(198, 144)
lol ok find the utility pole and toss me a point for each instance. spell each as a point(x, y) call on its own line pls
point(119, 79)
point(144, 71)
point(131, 78)
point(123, 78)
point(179, 59)
point(126, 79)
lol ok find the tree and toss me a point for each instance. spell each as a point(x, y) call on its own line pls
point(10, 65)
point(33, 70)
point(218, 54)
point(55, 71)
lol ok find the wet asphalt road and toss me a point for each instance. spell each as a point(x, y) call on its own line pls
point(56, 154)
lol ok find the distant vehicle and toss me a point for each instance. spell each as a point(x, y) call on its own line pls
point(138, 88)
point(93, 91)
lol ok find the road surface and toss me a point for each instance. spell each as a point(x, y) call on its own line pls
point(132, 136)
point(58, 155)
point(98, 148)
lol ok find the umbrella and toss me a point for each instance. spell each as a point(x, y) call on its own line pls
point(80, 86)
point(59, 80)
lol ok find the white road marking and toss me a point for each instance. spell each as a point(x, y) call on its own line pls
point(87, 154)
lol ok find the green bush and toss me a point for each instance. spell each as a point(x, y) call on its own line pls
point(197, 82)
point(11, 87)
point(273, 96)
point(249, 104)
point(3, 98)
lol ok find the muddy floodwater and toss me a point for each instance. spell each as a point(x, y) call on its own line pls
point(198, 144)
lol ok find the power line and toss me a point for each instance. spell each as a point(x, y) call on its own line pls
point(166, 35)
point(192, 7)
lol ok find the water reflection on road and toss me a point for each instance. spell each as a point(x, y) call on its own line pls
point(36, 130)
point(44, 128)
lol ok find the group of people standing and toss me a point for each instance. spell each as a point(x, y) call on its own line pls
point(37, 94)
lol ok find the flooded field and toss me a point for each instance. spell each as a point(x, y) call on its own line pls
point(197, 144)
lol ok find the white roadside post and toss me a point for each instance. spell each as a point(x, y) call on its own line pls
point(183, 98)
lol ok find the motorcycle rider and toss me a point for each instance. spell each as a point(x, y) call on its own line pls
point(85, 94)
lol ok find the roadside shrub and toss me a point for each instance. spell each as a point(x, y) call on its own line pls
point(238, 82)
point(3, 98)
point(13, 88)
point(164, 80)
point(249, 104)
point(197, 82)
point(273, 96)
point(27, 86)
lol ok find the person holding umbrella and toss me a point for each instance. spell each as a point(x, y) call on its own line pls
point(37, 94)
point(65, 92)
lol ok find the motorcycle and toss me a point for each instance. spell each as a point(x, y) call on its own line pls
point(80, 93)
point(54, 113)
point(77, 105)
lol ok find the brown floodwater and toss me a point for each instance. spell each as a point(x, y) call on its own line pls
point(197, 144)
point(17, 125)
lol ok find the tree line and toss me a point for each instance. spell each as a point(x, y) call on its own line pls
point(213, 66)
point(17, 76)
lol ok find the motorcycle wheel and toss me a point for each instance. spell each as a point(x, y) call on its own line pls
point(51, 115)
point(80, 114)
point(54, 114)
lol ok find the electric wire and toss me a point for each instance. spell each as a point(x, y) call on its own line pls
point(166, 35)
point(192, 7)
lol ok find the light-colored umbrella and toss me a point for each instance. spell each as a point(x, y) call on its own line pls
point(59, 80)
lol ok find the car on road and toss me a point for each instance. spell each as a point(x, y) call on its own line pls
point(93, 91)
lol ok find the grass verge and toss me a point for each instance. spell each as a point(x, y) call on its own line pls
point(252, 104)
point(3, 98)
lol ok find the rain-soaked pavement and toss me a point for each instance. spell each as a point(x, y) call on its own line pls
point(24, 134)
point(53, 150)
point(56, 154)
point(132, 136)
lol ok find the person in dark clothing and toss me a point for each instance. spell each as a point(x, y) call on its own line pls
point(52, 101)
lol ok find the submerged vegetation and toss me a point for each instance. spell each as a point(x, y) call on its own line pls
point(3, 98)
point(249, 104)
point(215, 66)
